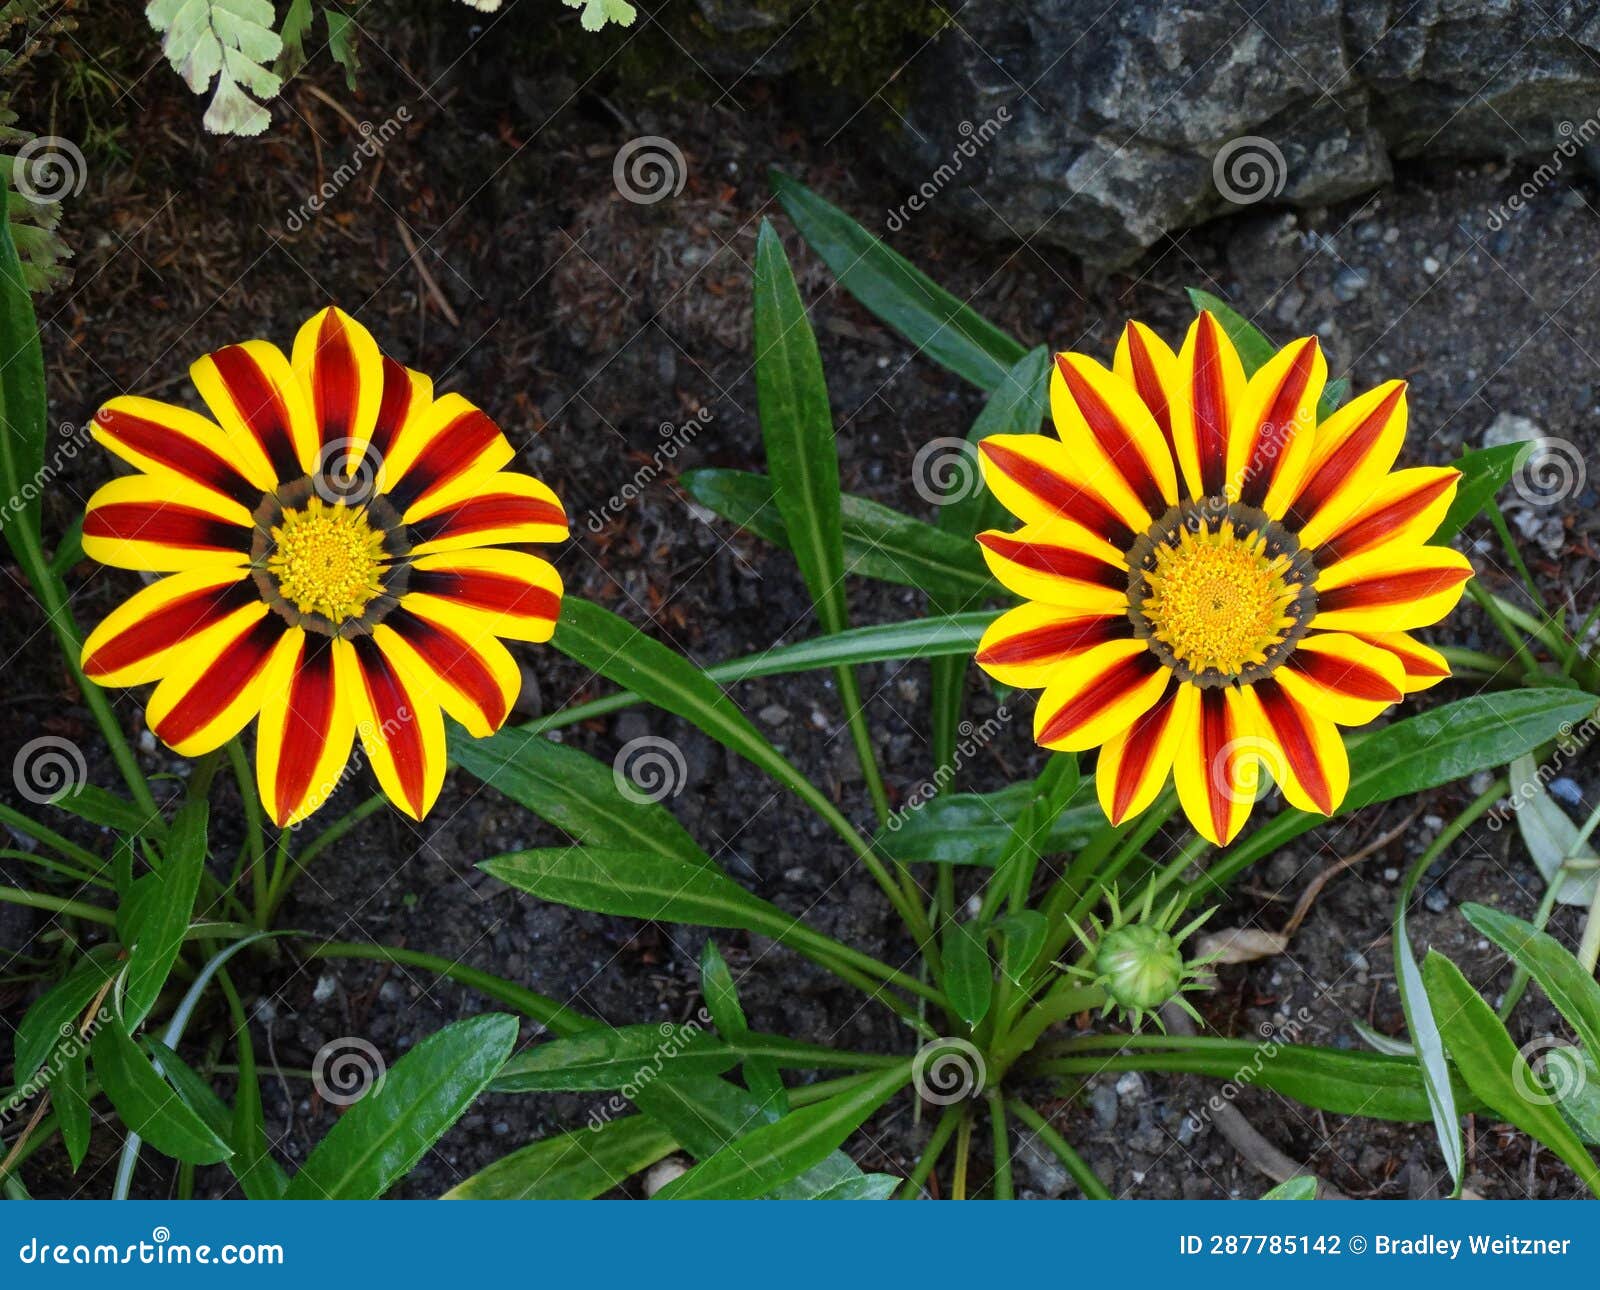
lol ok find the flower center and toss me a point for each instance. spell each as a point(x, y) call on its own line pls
point(327, 559)
point(1220, 592)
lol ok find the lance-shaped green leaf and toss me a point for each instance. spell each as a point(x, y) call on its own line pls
point(978, 828)
point(53, 1017)
point(939, 324)
point(968, 975)
point(1427, 1040)
point(621, 1058)
point(1560, 975)
point(148, 1104)
point(580, 1165)
point(1484, 472)
point(722, 1002)
point(158, 910)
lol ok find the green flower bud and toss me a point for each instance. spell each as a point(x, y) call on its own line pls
point(1140, 966)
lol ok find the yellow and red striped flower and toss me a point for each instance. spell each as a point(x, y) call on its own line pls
point(343, 550)
point(1214, 582)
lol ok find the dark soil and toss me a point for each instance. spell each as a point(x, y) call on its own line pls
point(585, 324)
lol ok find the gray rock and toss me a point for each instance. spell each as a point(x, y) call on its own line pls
point(1100, 130)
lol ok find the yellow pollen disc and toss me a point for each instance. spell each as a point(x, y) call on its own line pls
point(328, 560)
point(1218, 600)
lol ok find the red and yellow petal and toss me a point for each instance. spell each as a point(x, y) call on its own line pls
point(305, 729)
point(1038, 479)
point(1059, 563)
point(254, 394)
point(471, 675)
point(159, 437)
point(1275, 426)
point(1421, 666)
point(1342, 677)
point(406, 397)
point(1134, 765)
point(1404, 510)
point(1102, 420)
point(400, 726)
point(1352, 452)
point(1390, 590)
point(1216, 764)
point(442, 456)
point(1147, 363)
point(1303, 750)
point(507, 508)
point(216, 682)
point(1024, 646)
point(1209, 389)
point(132, 644)
point(338, 364)
point(163, 523)
point(517, 595)
point(1097, 694)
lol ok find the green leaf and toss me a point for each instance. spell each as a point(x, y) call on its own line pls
point(573, 791)
point(772, 1154)
point(1022, 937)
point(111, 811)
point(866, 1187)
point(260, 1176)
point(1427, 1040)
point(147, 1104)
point(1549, 834)
point(22, 399)
point(976, 828)
point(620, 1058)
point(1572, 1076)
point(1301, 1188)
point(226, 41)
point(297, 19)
point(342, 33)
point(968, 977)
point(376, 1142)
point(1484, 473)
point(597, 13)
point(55, 1014)
point(722, 1002)
point(579, 1165)
point(164, 904)
point(69, 1097)
point(879, 542)
point(1495, 1070)
point(1560, 975)
point(940, 325)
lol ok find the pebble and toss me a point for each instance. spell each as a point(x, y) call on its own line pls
point(1349, 284)
point(1391, 875)
point(774, 714)
point(1508, 427)
point(662, 1173)
point(325, 988)
point(1130, 1087)
point(1436, 901)
point(1103, 1103)
point(1566, 790)
point(1430, 266)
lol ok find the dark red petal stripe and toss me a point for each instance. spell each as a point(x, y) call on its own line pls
point(1113, 437)
point(1147, 381)
point(1055, 639)
point(480, 514)
point(1391, 589)
point(1343, 676)
point(455, 660)
point(1374, 528)
point(1415, 664)
point(398, 726)
point(335, 380)
point(306, 722)
point(392, 407)
point(1063, 496)
point(1293, 734)
point(258, 403)
point(446, 455)
point(1342, 462)
point(1143, 740)
point(169, 625)
point(222, 682)
point(1099, 694)
point(1209, 400)
point(481, 589)
point(180, 526)
point(1062, 562)
point(1277, 428)
point(180, 453)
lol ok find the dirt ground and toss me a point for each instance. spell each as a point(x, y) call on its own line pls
point(488, 244)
